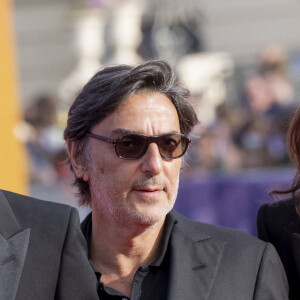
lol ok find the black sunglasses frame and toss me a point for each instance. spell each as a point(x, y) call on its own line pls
point(149, 139)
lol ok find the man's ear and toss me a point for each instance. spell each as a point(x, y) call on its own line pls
point(78, 161)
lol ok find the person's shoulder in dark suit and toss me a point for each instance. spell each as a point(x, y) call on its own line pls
point(42, 251)
point(248, 264)
point(279, 224)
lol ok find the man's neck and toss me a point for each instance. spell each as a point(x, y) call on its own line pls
point(117, 252)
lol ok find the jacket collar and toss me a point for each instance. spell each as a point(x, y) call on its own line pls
point(296, 251)
point(9, 225)
point(196, 257)
point(294, 229)
point(13, 249)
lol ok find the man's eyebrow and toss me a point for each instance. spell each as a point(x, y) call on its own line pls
point(121, 131)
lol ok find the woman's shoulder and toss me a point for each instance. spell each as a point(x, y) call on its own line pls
point(283, 211)
point(276, 219)
point(277, 223)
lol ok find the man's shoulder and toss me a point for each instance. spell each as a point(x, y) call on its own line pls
point(36, 211)
point(195, 229)
point(24, 201)
point(234, 264)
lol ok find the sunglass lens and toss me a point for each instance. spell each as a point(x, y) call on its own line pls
point(130, 146)
point(172, 146)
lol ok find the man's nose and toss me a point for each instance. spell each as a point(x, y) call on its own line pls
point(152, 160)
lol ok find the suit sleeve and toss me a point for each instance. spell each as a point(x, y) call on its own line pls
point(271, 281)
point(77, 279)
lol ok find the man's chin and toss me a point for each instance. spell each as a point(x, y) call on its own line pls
point(150, 217)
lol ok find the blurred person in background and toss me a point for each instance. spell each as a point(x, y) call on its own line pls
point(42, 251)
point(44, 140)
point(126, 134)
point(279, 222)
point(270, 99)
point(270, 91)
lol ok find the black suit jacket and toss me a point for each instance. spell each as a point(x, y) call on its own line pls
point(42, 251)
point(217, 263)
point(279, 224)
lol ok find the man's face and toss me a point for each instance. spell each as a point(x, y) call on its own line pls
point(140, 191)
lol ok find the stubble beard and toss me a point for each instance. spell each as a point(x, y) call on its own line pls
point(111, 199)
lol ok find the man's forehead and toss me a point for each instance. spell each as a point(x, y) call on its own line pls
point(147, 97)
point(140, 113)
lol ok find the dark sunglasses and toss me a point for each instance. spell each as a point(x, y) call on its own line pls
point(134, 146)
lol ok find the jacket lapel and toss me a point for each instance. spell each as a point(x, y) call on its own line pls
point(13, 250)
point(293, 230)
point(195, 259)
point(296, 250)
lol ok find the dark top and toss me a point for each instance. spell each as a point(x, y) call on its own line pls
point(279, 224)
point(149, 282)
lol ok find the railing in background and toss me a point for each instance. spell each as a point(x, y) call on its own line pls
point(230, 200)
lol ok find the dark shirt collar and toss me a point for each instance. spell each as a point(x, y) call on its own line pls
point(86, 227)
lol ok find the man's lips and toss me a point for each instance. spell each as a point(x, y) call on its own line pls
point(148, 190)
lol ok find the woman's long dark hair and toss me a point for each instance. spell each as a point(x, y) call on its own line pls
point(293, 147)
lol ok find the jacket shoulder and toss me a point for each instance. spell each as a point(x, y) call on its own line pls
point(232, 237)
point(276, 220)
point(32, 212)
point(24, 201)
point(278, 213)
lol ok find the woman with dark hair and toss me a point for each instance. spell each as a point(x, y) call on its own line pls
point(279, 222)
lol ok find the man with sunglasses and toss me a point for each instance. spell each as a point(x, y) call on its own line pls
point(126, 134)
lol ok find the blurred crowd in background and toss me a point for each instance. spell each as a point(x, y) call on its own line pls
point(239, 135)
point(251, 132)
point(244, 109)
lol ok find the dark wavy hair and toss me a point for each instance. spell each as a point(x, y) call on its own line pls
point(106, 90)
point(293, 147)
